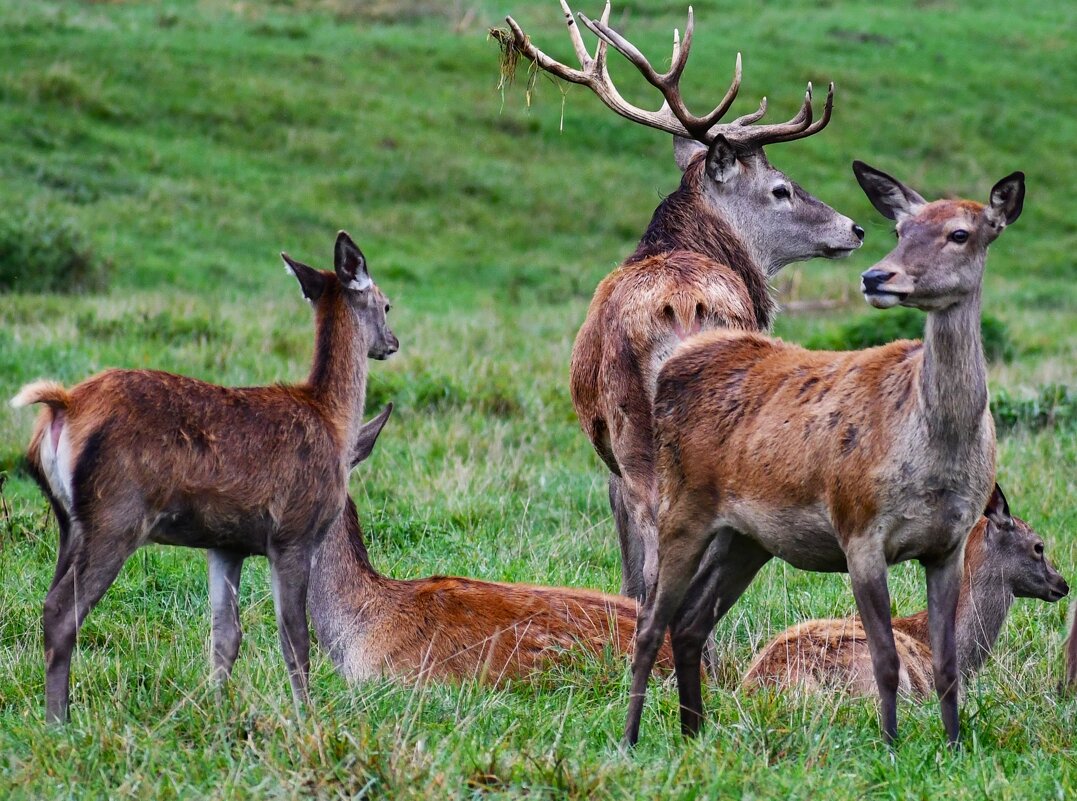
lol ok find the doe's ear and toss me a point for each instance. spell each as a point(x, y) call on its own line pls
point(998, 510)
point(350, 264)
point(368, 435)
point(722, 163)
point(887, 194)
point(311, 281)
point(1007, 200)
point(685, 151)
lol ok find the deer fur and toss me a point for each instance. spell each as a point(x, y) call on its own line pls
point(702, 264)
point(449, 629)
point(833, 461)
point(131, 457)
point(1004, 560)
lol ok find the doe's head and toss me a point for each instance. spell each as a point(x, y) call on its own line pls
point(1014, 554)
point(350, 282)
point(942, 245)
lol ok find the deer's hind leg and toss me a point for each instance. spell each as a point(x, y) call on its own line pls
point(91, 570)
point(728, 567)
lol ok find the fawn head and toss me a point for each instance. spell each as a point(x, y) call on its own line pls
point(1013, 553)
point(350, 282)
point(942, 245)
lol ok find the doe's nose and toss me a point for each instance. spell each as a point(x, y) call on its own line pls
point(858, 232)
point(874, 278)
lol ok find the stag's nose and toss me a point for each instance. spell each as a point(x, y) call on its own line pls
point(858, 232)
point(873, 279)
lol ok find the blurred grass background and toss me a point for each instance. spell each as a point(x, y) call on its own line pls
point(155, 158)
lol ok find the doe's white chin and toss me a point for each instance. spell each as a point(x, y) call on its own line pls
point(882, 301)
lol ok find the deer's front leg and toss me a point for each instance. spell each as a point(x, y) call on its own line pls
point(943, 585)
point(225, 569)
point(290, 573)
point(867, 571)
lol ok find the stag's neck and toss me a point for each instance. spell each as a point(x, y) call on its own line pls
point(982, 608)
point(685, 221)
point(953, 381)
point(338, 375)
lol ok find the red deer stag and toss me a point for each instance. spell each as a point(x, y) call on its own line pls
point(447, 628)
point(703, 263)
point(833, 461)
point(131, 457)
point(1004, 560)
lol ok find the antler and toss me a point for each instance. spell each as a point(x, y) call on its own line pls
point(673, 117)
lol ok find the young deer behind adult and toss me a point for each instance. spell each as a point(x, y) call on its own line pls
point(703, 263)
point(833, 461)
point(446, 628)
point(1004, 560)
point(131, 457)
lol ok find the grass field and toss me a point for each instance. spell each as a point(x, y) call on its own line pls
point(187, 143)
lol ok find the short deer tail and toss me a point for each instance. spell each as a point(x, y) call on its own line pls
point(50, 392)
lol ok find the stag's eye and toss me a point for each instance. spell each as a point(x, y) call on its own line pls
point(959, 236)
point(781, 192)
point(1038, 548)
point(387, 307)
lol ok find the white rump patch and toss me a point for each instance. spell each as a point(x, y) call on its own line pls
point(56, 465)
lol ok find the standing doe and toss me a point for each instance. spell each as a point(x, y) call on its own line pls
point(1004, 560)
point(447, 628)
point(833, 461)
point(131, 457)
point(703, 263)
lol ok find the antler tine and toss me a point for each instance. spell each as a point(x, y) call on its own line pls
point(574, 34)
point(608, 35)
point(523, 42)
point(768, 134)
point(755, 116)
point(816, 126)
point(681, 48)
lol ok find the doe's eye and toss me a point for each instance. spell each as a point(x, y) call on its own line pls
point(387, 307)
point(1038, 549)
point(781, 192)
point(959, 236)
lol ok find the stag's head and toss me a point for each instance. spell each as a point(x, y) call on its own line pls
point(942, 246)
point(778, 221)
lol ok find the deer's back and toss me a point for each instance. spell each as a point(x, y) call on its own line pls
point(821, 656)
point(638, 315)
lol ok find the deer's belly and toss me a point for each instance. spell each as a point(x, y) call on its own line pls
point(801, 536)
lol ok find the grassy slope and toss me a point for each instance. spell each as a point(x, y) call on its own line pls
point(195, 140)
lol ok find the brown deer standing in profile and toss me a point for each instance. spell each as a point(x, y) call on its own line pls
point(703, 263)
point(1004, 560)
point(446, 628)
point(833, 461)
point(131, 457)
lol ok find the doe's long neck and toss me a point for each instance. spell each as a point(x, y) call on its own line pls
point(953, 381)
point(338, 375)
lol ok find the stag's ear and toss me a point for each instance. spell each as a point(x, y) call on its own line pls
point(685, 151)
point(1007, 200)
point(311, 281)
point(722, 163)
point(887, 194)
point(350, 264)
point(368, 435)
point(998, 511)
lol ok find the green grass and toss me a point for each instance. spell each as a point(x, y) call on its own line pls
point(190, 142)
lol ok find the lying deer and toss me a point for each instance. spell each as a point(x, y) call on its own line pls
point(447, 628)
point(1004, 560)
point(833, 461)
point(703, 263)
point(131, 457)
